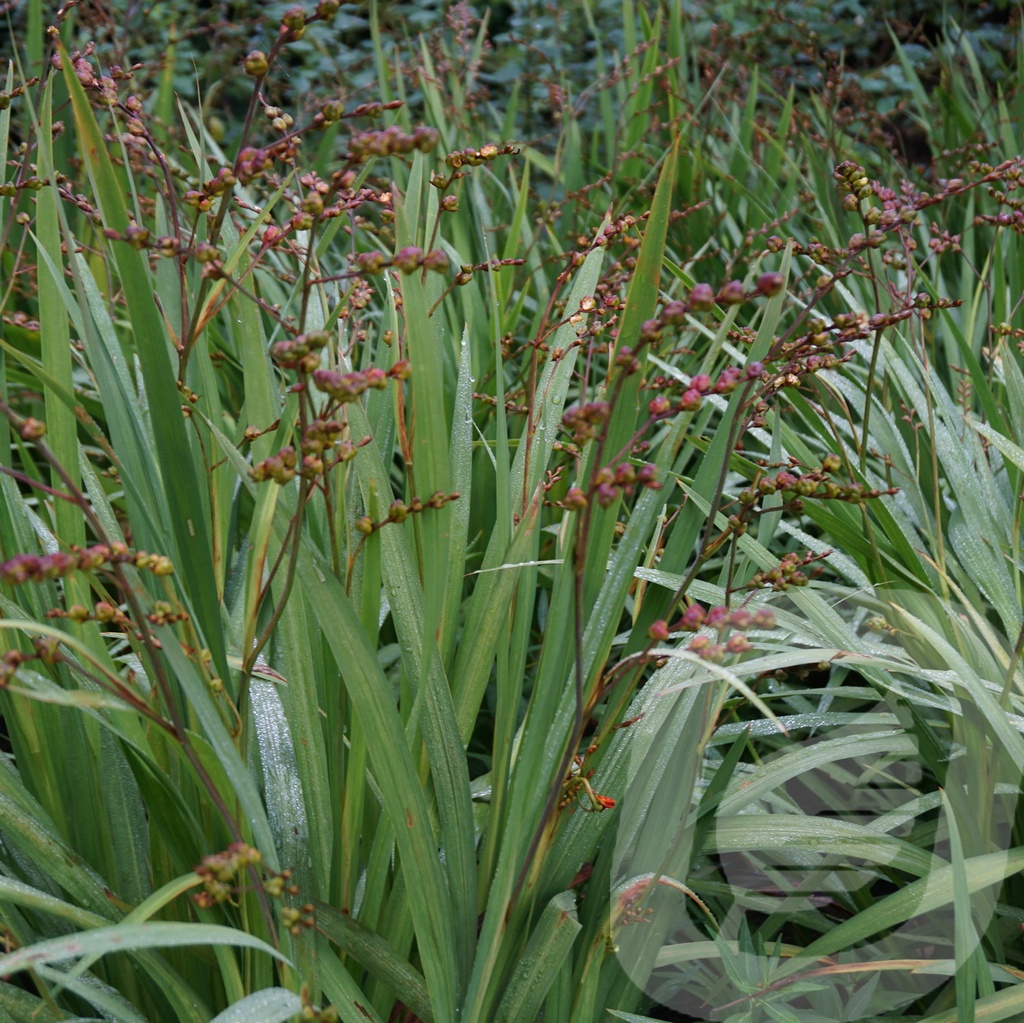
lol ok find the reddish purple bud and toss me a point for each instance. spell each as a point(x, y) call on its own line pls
point(19, 569)
point(650, 331)
point(408, 259)
point(728, 380)
point(770, 284)
point(575, 499)
point(690, 400)
point(732, 293)
point(674, 313)
point(702, 297)
point(741, 619)
point(658, 631)
point(717, 617)
point(436, 260)
point(693, 618)
point(647, 476)
point(371, 262)
point(738, 644)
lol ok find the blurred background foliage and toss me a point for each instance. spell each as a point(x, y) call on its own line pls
point(552, 53)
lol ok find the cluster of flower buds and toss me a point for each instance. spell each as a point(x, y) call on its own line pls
point(408, 260)
point(102, 611)
point(699, 387)
point(321, 437)
point(37, 568)
point(582, 421)
point(852, 179)
point(280, 468)
point(302, 352)
point(880, 625)
point(897, 209)
point(466, 271)
point(6, 97)
point(631, 908)
point(164, 613)
point(814, 484)
point(47, 650)
point(475, 157)
point(9, 664)
point(789, 572)
point(32, 183)
point(609, 484)
point(252, 162)
point(391, 141)
point(399, 511)
point(220, 871)
point(346, 387)
point(222, 182)
point(166, 246)
point(702, 298)
point(296, 919)
point(279, 885)
point(294, 20)
point(280, 120)
point(334, 110)
point(730, 626)
point(1014, 219)
point(721, 619)
point(674, 314)
point(105, 86)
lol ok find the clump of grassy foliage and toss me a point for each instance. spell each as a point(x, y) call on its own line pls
point(436, 569)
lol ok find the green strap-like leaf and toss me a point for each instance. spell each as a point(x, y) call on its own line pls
point(541, 960)
point(271, 1005)
point(127, 938)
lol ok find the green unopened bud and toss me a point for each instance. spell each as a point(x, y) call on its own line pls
point(32, 429)
point(313, 203)
point(294, 18)
point(256, 63)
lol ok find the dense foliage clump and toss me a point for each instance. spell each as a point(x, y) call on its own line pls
point(511, 516)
